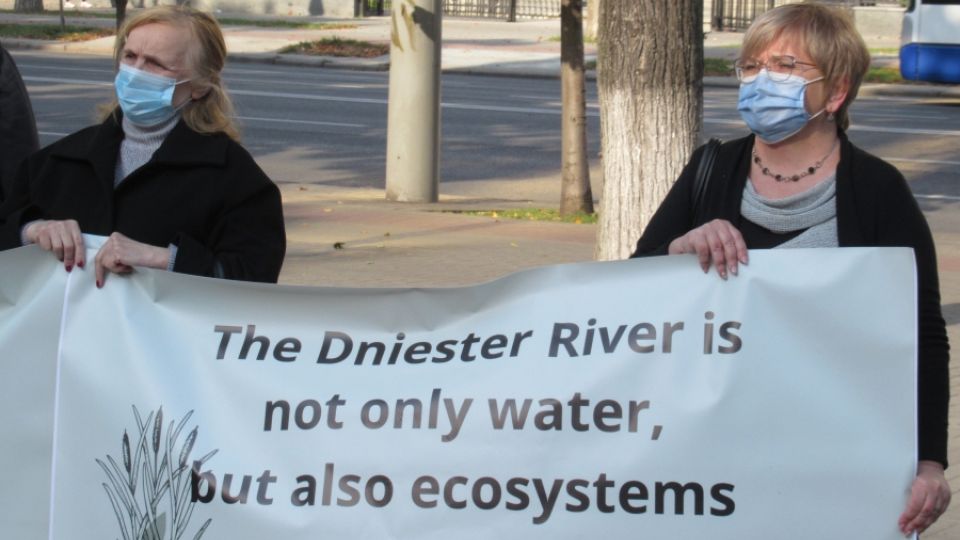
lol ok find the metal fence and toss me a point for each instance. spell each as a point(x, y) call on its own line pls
point(371, 8)
point(724, 14)
point(738, 14)
point(538, 9)
point(507, 10)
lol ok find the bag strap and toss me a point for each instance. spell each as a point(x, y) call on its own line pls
point(707, 159)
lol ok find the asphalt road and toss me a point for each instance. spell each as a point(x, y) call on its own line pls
point(321, 126)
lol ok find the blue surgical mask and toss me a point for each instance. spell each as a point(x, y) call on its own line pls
point(145, 98)
point(774, 110)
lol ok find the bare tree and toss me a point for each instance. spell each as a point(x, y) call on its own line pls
point(650, 78)
point(575, 194)
point(30, 6)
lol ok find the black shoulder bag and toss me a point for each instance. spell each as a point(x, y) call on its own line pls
point(707, 159)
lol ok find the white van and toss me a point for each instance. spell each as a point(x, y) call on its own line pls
point(930, 41)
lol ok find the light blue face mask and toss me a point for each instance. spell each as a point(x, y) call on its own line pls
point(774, 110)
point(145, 98)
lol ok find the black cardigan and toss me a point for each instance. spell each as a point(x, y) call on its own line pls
point(18, 130)
point(875, 207)
point(202, 193)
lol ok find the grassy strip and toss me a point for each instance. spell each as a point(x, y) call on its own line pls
point(224, 21)
point(339, 47)
point(279, 23)
point(531, 214)
point(884, 75)
point(69, 12)
point(53, 32)
point(586, 39)
point(712, 67)
point(717, 67)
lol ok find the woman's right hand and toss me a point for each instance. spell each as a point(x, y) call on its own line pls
point(716, 243)
point(63, 238)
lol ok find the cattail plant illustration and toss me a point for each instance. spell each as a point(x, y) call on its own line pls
point(149, 489)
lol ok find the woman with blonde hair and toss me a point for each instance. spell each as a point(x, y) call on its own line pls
point(162, 175)
point(798, 181)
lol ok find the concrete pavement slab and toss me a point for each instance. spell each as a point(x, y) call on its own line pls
point(354, 237)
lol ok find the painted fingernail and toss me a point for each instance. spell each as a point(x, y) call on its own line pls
point(99, 284)
point(69, 267)
point(80, 264)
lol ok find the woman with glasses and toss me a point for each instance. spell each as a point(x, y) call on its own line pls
point(797, 181)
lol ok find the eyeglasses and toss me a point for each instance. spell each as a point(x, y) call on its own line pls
point(778, 67)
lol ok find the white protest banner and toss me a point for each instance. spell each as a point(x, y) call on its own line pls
point(618, 399)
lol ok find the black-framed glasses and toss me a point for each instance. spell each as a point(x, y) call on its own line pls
point(778, 68)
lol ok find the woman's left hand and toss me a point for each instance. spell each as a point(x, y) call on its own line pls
point(120, 254)
point(929, 497)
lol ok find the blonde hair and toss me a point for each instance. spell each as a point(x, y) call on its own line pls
point(213, 112)
point(827, 34)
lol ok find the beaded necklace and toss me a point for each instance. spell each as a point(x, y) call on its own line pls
point(796, 177)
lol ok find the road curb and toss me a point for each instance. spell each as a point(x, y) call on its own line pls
point(917, 90)
point(88, 47)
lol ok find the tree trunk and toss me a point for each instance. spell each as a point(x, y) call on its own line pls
point(650, 80)
point(30, 6)
point(121, 13)
point(592, 26)
point(575, 194)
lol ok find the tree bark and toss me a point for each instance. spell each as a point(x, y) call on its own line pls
point(575, 193)
point(29, 6)
point(650, 81)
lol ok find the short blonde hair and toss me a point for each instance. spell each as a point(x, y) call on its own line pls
point(212, 113)
point(827, 34)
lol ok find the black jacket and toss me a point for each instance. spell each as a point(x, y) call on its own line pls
point(202, 193)
point(875, 207)
point(18, 130)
